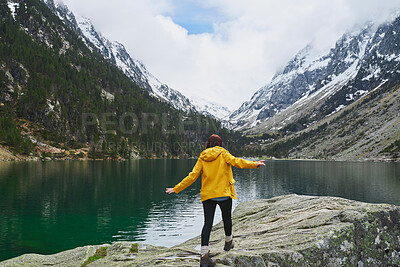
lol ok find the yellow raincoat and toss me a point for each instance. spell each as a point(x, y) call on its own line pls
point(217, 178)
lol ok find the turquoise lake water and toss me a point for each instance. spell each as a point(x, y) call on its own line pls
point(48, 207)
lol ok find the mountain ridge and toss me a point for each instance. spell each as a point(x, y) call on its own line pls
point(60, 98)
point(51, 74)
point(305, 74)
point(132, 67)
point(303, 99)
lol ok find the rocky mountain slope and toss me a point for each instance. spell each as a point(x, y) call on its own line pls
point(343, 86)
point(368, 129)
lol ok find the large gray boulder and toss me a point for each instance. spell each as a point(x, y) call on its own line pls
point(288, 230)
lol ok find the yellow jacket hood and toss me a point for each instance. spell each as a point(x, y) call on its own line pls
point(212, 153)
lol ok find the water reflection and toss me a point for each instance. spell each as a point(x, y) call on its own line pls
point(370, 182)
point(47, 207)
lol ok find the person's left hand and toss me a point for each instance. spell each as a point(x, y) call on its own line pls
point(169, 190)
point(260, 163)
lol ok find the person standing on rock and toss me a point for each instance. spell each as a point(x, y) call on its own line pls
point(217, 188)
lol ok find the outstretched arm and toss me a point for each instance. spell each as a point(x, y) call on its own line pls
point(188, 180)
point(241, 163)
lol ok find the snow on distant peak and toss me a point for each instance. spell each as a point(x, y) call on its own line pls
point(204, 106)
point(86, 26)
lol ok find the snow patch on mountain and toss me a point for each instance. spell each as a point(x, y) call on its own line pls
point(13, 8)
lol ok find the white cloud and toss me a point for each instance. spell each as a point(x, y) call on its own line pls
point(253, 40)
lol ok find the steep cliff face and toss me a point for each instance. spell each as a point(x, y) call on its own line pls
point(288, 230)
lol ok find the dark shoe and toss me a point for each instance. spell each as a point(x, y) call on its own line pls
point(229, 245)
point(206, 261)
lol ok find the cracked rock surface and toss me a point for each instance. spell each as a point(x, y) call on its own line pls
point(289, 230)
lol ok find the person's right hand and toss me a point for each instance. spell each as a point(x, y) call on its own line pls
point(260, 163)
point(169, 190)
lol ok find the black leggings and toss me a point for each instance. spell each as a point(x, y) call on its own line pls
point(209, 211)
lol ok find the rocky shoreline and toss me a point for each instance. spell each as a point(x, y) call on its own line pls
point(289, 230)
point(48, 152)
point(7, 156)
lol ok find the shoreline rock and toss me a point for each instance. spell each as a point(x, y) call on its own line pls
point(289, 230)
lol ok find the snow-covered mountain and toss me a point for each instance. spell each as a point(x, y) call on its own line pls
point(117, 54)
point(315, 84)
point(133, 68)
point(208, 107)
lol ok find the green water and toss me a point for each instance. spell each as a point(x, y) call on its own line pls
point(47, 207)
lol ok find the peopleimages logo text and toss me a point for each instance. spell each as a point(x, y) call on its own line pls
point(130, 123)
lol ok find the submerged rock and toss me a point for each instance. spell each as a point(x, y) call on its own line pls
point(288, 230)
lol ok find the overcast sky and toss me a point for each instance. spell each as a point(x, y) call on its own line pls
point(224, 50)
